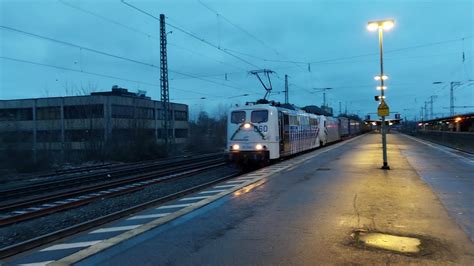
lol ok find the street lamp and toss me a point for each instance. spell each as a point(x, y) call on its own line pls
point(324, 93)
point(382, 25)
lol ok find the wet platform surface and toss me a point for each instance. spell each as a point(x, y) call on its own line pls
point(305, 215)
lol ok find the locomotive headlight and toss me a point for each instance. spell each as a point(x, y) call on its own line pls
point(258, 147)
point(235, 147)
point(246, 125)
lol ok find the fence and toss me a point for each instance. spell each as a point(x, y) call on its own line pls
point(459, 140)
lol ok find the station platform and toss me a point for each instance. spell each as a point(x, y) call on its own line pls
point(305, 212)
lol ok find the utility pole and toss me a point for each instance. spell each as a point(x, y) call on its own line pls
point(432, 97)
point(453, 85)
point(164, 86)
point(426, 110)
point(286, 90)
point(324, 93)
point(340, 108)
point(451, 97)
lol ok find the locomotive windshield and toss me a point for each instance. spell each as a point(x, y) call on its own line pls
point(260, 116)
point(237, 117)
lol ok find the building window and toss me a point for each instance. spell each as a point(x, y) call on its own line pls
point(48, 136)
point(161, 114)
point(81, 135)
point(84, 111)
point(181, 115)
point(122, 111)
point(16, 114)
point(145, 113)
point(181, 133)
point(48, 113)
point(161, 133)
point(16, 137)
point(133, 135)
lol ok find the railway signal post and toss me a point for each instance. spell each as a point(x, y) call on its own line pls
point(383, 111)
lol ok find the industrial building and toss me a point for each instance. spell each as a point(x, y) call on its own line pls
point(91, 122)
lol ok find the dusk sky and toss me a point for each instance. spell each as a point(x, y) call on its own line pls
point(431, 41)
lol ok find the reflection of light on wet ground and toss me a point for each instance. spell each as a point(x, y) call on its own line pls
point(391, 242)
point(248, 188)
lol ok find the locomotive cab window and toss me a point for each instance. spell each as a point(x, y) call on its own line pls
point(237, 117)
point(260, 116)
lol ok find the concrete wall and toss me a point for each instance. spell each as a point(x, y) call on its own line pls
point(459, 140)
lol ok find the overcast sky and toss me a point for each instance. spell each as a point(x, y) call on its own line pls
point(426, 45)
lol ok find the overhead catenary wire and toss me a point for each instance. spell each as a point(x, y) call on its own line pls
point(107, 19)
point(206, 56)
point(77, 46)
point(94, 74)
point(141, 32)
point(213, 45)
point(189, 76)
point(352, 56)
point(191, 34)
point(195, 76)
point(237, 26)
point(75, 70)
point(114, 56)
point(242, 29)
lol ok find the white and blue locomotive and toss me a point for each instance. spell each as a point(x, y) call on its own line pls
point(263, 132)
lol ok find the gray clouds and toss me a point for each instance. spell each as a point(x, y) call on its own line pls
point(306, 31)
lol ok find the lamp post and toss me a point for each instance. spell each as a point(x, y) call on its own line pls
point(382, 25)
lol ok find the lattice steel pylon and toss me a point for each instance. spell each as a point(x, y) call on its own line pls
point(164, 86)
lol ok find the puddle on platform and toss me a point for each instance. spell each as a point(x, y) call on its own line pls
point(395, 243)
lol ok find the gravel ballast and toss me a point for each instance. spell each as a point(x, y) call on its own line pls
point(23, 231)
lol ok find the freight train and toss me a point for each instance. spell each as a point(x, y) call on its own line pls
point(264, 131)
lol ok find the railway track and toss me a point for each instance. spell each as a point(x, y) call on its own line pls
point(50, 237)
point(107, 173)
point(41, 205)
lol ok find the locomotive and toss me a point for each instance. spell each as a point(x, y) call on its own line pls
point(264, 131)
